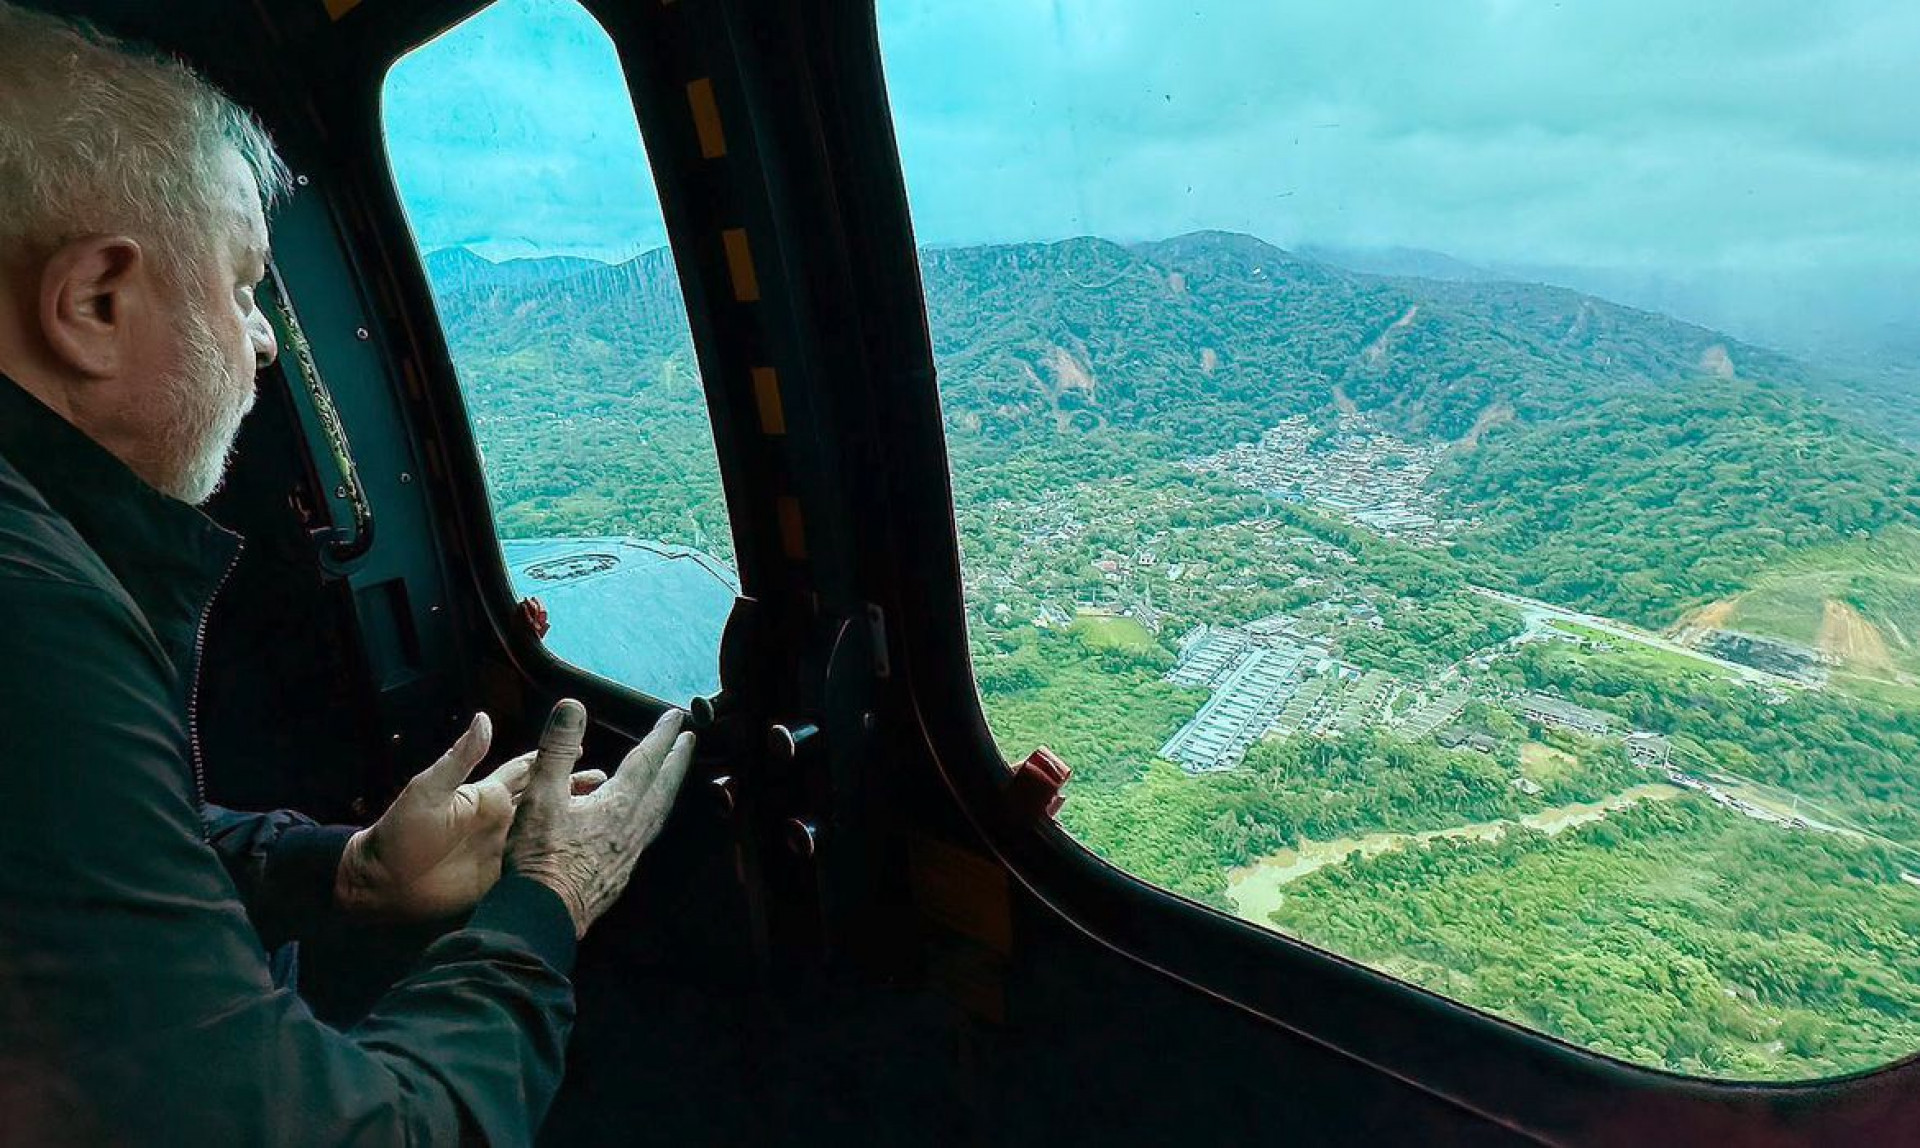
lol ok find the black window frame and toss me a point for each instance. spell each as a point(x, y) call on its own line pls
point(469, 481)
point(347, 74)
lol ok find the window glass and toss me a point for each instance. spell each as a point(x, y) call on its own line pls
point(514, 144)
point(1444, 477)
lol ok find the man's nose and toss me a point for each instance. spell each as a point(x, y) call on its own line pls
point(266, 346)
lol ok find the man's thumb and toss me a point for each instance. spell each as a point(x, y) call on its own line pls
point(559, 748)
point(457, 763)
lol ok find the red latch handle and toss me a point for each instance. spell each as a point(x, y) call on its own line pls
point(1033, 792)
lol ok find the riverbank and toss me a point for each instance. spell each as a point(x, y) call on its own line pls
point(1256, 889)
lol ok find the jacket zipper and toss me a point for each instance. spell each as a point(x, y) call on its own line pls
point(193, 689)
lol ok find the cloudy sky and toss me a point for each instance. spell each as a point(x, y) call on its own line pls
point(1617, 131)
point(1763, 138)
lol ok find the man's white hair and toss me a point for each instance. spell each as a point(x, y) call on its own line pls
point(98, 136)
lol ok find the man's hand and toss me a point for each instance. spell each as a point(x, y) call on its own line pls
point(583, 847)
point(437, 850)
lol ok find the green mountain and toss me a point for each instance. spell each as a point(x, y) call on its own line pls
point(580, 380)
point(1645, 504)
point(1617, 460)
point(1614, 459)
point(1207, 338)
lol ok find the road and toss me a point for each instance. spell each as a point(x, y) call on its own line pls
point(1538, 614)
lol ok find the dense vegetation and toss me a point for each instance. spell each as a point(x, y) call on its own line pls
point(1650, 502)
point(1185, 833)
point(1106, 710)
point(583, 392)
point(1855, 755)
point(1668, 934)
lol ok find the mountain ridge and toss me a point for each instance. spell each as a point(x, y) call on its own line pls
point(1085, 333)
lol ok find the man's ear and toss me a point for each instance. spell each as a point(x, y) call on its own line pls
point(90, 294)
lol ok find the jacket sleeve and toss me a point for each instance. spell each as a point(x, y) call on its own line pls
point(282, 865)
point(135, 999)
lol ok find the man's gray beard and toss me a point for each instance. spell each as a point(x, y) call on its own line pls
point(205, 403)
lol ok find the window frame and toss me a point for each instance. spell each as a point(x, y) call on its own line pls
point(1512, 1075)
point(358, 55)
point(497, 588)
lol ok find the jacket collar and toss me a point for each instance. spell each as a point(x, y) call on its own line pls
point(168, 556)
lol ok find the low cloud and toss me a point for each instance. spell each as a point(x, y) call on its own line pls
point(1765, 139)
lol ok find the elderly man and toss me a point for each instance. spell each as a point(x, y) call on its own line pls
point(136, 1002)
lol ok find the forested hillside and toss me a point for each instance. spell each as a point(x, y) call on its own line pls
point(1633, 463)
point(1645, 503)
point(582, 387)
point(1610, 459)
point(1154, 336)
point(1554, 655)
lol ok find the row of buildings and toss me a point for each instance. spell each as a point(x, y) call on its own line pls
point(1277, 676)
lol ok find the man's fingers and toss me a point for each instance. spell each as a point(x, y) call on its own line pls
point(658, 800)
point(588, 780)
point(457, 763)
point(672, 773)
point(559, 749)
point(640, 766)
point(513, 774)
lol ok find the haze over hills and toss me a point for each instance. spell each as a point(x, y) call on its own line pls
point(1858, 326)
point(1402, 263)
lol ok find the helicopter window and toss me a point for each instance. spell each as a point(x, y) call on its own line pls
point(1444, 477)
point(518, 158)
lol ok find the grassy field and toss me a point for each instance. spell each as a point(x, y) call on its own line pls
point(1639, 653)
point(1105, 631)
point(1890, 693)
point(1542, 762)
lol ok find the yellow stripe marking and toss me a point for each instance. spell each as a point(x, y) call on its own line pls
point(793, 532)
point(339, 8)
point(746, 286)
point(766, 394)
point(706, 119)
point(961, 890)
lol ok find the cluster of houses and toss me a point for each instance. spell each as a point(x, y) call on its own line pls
point(1279, 676)
point(1354, 469)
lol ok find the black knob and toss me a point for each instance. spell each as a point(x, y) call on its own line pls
point(784, 742)
point(706, 711)
point(802, 836)
point(726, 794)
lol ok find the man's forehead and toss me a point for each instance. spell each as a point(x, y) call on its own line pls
point(247, 221)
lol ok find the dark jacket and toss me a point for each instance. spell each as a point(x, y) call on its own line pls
point(135, 1000)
